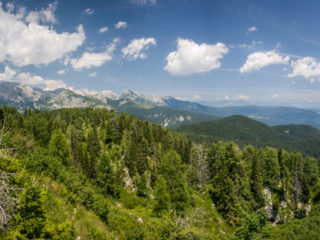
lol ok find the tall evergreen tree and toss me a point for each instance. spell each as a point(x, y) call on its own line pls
point(105, 175)
point(93, 150)
point(59, 147)
point(222, 192)
point(271, 168)
point(172, 170)
point(161, 196)
point(256, 181)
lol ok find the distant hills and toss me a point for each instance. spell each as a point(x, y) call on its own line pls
point(166, 111)
point(244, 131)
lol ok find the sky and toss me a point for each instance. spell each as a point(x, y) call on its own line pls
point(245, 52)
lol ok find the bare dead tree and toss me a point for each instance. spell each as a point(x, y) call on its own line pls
point(2, 130)
point(203, 172)
point(8, 191)
point(8, 199)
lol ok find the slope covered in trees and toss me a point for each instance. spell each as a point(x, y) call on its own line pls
point(244, 131)
point(94, 174)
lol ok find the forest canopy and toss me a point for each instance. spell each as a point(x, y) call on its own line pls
point(95, 174)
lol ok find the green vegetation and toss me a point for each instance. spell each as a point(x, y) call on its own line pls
point(245, 131)
point(95, 174)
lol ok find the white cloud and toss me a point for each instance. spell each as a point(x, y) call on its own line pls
point(191, 57)
point(25, 42)
point(257, 60)
point(93, 74)
point(61, 72)
point(307, 68)
point(88, 59)
point(252, 29)
point(103, 29)
point(243, 97)
point(134, 50)
point(30, 79)
point(275, 95)
point(43, 16)
point(54, 84)
point(8, 74)
point(89, 11)
point(121, 24)
point(143, 2)
point(197, 97)
point(249, 46)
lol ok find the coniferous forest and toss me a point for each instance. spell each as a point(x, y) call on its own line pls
point(94, 174)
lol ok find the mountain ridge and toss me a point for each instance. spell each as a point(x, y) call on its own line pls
point(23, 97)
point(245, 131)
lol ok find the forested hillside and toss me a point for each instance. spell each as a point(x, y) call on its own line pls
point(244, 131)
point(95, 174)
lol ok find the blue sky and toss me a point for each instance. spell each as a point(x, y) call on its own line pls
point(253, 52)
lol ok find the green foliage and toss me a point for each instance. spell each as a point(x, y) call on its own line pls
point(271, 168)
point(59, 148)
point(222, 191)
point(296, 229)
point(142, 186)
point(256, 181)
point(245, 131)
point(253, 226)
point(172, 170)
point(105, 175)
point(175, 189)
point(161, 196)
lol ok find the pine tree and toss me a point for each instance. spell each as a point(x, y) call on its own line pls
point(108, 134)
point(271, 168)
point(172, 170)
point(161, 196)
point(256, 181)
point(105, 175)
point(93, 150)
point(142, 186)
point(222, 192)
point(31, 218)
point(59, 148)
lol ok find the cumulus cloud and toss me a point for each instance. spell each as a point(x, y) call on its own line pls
point(252, 29)
point(30, 79)
point(257, 60)
point(89, 59)
point(89, 11)
point(8, 74)
point(103, 29)
point(307, 67)
point(134, 50)
point(121, 24)
point(24, 41)
point(42, 16)
point(143, 2)
point(191, 57)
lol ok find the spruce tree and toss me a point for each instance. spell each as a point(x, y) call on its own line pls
point(105, 175)
point(172, 170)
point(93, 150)
point(256, 181)
point(161, 196)
point(59, 148)
point(142, 186)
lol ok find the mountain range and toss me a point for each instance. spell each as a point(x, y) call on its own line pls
point(166, 111)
